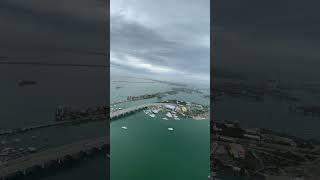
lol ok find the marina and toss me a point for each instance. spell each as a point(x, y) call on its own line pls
point(149, 126)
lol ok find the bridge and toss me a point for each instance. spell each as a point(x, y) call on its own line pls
point(124, 112)
point(54, 156)
point(30, 163)
point(113, 115)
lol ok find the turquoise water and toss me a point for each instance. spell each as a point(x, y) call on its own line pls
point(147, 150)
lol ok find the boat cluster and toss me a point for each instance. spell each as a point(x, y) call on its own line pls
point(170, 113)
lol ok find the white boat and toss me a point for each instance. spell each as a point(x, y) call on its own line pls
point(152, 115)
point(148, 111)
point(169, 106)
point(165, 118)
point(176, 118)
point(170, 129)
point(124, 127)
point(156, 111)
point(169, 114)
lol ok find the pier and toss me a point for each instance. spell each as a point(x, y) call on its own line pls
point(27, 164)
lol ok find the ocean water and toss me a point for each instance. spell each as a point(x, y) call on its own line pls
point(271, 113)
point(36, 104)
point(147, 150)
point(182, 154)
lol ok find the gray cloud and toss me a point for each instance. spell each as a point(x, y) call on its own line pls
point(268, 37)
point(32, 28)
point(161, 39)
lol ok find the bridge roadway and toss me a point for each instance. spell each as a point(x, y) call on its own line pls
point(58, 155)
point(123, 112)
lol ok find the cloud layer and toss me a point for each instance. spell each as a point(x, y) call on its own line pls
point(268, 38)
point(164, 38)
point(39, 28)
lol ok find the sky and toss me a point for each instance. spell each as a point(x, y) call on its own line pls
point(45, 30)
point(271, 39)
point(167, 40)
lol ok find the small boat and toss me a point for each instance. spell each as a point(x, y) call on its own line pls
point(155, 111)
point(176, 118)
point(169, 114)
point(124, 127)
point(165, 118)
point(152, 115)
point(170, 129)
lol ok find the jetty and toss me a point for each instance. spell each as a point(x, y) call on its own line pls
point(54, 156)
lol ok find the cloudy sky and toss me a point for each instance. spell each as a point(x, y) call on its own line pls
point(161, 39)
point(275, 39)
point(44, 30)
